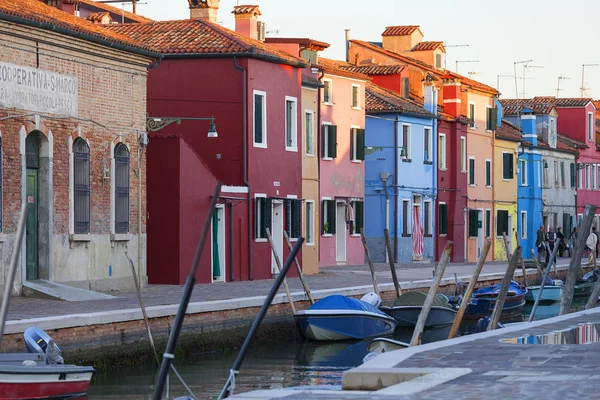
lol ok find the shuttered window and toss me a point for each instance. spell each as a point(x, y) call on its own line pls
point(357, 145)
point(573, 175)
point(293, 219)
point(262, 217)
point(443, 219)
point(359, 216)
point(328, 209)
point(260, 112)
point(502, 223)
point(329, 141)
point(427, 218)
point(491, 120)
point(488, 173)
point(508, 165)
point(81, 184)
point(405, 217)
point(121, 188)
point(473, 223)
point(471, 171)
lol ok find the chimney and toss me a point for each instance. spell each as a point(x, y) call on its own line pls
point(401, 39)
point(247, 23)
point(451, 95)
point(348, 46)
point(528, 126)
point(207, 9)
point(429, 94)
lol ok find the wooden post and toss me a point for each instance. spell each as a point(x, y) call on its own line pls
point(388, 244)
point(593, 300)
point(467, 296)
point(524, 271)
point(300, 274)
point(370, 261)
point(508, 255)
point(543, 282)
point(435, 284)
point(512, 265)
point(278, 262)
point(584, 231)
point(537, 264)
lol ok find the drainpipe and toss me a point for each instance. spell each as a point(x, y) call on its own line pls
point(434, 151)
point(396, 173)
point(384, 178)
point(319, 132)
point(245, 161)
point(231, 269)
point(140, 158)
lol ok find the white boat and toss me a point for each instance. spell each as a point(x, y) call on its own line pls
point(550, 293)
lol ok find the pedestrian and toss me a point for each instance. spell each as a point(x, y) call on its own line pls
point(597, 242)
point(562, 245)
point(591, 243)
point(550, 239)
point(539, 241)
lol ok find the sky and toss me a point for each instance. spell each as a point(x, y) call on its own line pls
point(558, 36)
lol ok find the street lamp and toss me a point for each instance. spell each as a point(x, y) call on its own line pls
point(154, 124)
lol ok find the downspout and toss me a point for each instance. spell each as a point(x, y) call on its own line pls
point(434, 151)
point(319, 132)
point(493, 206)
point(231, 269)
point(139, 206)
point(245, 161)
point(396, 172)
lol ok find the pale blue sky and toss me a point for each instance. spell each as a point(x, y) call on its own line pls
point(556, 34)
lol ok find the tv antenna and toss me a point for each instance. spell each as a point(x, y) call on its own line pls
point(558, 89)
point(583, 88)
point(451, 45)
point(123, 2)
point(526, 67)
point(464, 61)
point(498, 80)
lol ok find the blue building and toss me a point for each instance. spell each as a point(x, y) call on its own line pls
point(400, 174)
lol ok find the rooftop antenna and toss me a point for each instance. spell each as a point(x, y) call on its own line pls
point(526, 66)
point(451, 45)
point(465, 61)
point(558, 89)
point(123, 2)
point(498, 80)
point(517, 88)
point(583, 88)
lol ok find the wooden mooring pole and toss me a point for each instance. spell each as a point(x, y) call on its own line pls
point(369, 261)
point(278, 262)
point(537, 264)
point(467, 296)
point(299, 269)
point(388, 245)
point(543, 282)
point(510, 271)
point(435, 284)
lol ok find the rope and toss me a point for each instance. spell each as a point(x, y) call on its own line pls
point(183, 383)
point(231, 379)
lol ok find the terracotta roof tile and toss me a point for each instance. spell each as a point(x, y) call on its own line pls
point(98, 16)
point(550, 101)
point(246, 9)
point(428, 46)
point(375, 69)
point(509, 107)
point(114, 10)
point(336, 67)
point(202, 38)
point(304, 43)
point(572, 143)
point(309, 81)
point(380, 100)
point(50, 18)
point(402, 30)
point(508, 131)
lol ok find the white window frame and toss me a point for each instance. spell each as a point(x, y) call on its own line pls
point(330, 102)
point(463, 154)
point(294, 133)
point(489, 161)
point(503, 178)
point(556, 174)
point(309, 133)
point(591, 126)
point(431, 225)
point(429, 143)
point(486, 116)
point(357, 106)
point(474, 126)
point(523, 224)
point(563, 174)
point(474, 172)
point(523, 173)
point(409, 224)
point(580, 176)
point(598, 176)
point(263, 144)
point(406, 146)
point(539, 173)
point(353, 150)
point(545, 174)
point(258, 196)
point(443, 164)
point(310, 219)
point(488, 211)
point(324, 217)
point(588, 177)
point(594, 176)
point(326, 147)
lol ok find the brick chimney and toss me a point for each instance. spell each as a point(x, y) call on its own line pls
point(401, 39)
point(528, 126)
point(246, 22)
point(451, 95)
point(207, 9)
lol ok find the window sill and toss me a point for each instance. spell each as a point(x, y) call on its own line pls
point(488, 131)
point(3, 237)
point(82, 237)
point(442, 235)
point(472, 185)
point(429, 163)
point(260, 240)
point(442, 169)
point(427, 235)
point(327, 235)
point(408, 160)
point(356, 161)
point(293, 149)
point(309, 244)
point(507, 179)
point(463, 172)
point(355, 235)
point(327, 159)
point(309, 155)
point(406, 235)
point(260, 146)
point(327, 104)
point(357, 108)
point(488, 186)
point(120, 237)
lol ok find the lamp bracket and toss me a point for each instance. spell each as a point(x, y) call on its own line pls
point(156, 124)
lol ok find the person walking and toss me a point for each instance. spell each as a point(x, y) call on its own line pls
point(590, 244)
point(562, 245)
point(539, 241)
point(551, 240)
point(597, 242)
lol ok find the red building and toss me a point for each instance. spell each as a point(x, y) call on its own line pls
point(253, 91)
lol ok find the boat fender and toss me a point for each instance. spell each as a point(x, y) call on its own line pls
point(29, 363)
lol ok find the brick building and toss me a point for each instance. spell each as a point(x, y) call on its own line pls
point(72, 112)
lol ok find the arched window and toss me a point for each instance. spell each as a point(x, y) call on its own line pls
point(121, 188)
point(81, 176)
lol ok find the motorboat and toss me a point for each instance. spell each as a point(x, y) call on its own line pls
point(550, 293)
point(408, 307)
point(483, 301)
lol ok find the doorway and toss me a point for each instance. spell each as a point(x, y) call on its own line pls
point(32, 160)
point(277, 234)
point(340, 233)
point(480, 233)
point(218, 245)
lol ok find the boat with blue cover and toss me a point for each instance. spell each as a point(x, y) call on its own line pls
point(483, 301)
point(339, 317)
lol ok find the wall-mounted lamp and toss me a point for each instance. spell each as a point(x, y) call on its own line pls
point(212, 130)
point(154, 124)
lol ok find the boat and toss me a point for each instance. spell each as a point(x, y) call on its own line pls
point(383, 345)
point(338, 317)
point(483, 301)
point(550, 293)
point(408, 306)
point(40, 373)
point(585, 286)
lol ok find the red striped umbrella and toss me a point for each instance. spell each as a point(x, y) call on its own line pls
point(417, 233)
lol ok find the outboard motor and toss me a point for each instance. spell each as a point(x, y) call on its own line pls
point(372, 299)
point(38, 341)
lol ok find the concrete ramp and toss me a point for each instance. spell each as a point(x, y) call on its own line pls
point(57, 291)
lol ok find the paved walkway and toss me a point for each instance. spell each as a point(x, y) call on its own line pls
point(331, 278)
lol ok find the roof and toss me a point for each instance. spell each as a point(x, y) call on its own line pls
point(427, 67)
point(380, 100)
point(98, 16)
point(375, 69)
point(304, 43)
point(428, 46)
point(115, 10)
point(42, 16)
point(202, 38)
point(401, 30)
point(509, 107)
point(336, 67)
point(543, 104)
point(247, 9)
point(508, 131)
point(311, 82)
point(572, 143)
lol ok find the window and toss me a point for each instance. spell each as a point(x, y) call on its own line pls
point(327, 92)
point(508, 165)
point(328, 210)
point(81, 186)
point(567, 225)
point(442, 150)
point(121, 188)
point(406, 142)
point(427, 218)
point(329, 138)
point(405, 217)
point(524, 225)
point(463, 154)
point(556, 175)
point(262, 216)
point(563, 180)
point(438, 61)
point(355, 96)
point(473, 223)
point(488, 173)
point(472, 115)
point(490, 119)
point(260, 119)
point(471, 171)
point(573, 175)
point(309, 127)
point(488, 223)
point(359, 216)
point(427, 145)
point(580, 176)
point(594, 176)
point(588, 177)
point(545, 168)
point(502, 223)
point(357, 144)
point(590, 126)
point(309, 220)
point(291, 124)
point(598, 175)
point(443, 219)
point(523, 172)
point(405, 87)
point(292, 220)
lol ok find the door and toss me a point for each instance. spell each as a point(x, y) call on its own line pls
point(340, 233)
point(31, 236)
point(218, 245)
point(480, 234)
point(277, 234)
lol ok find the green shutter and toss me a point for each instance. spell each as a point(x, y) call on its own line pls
point(502, 223)
point(296, 206)
point(573, 175)
point(323, 208)
point(473, 223)
point(443, 219)
point(331, 211)
point(267, 217)
point(324, 138)
point(511, 165)
point(288, 217)
point(352, 152)
point(505, 166)
point(360, 144)
point(494, 119)
point(359, 216)
point(333, 141)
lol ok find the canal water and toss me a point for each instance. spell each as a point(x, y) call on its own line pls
point(270, 366)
